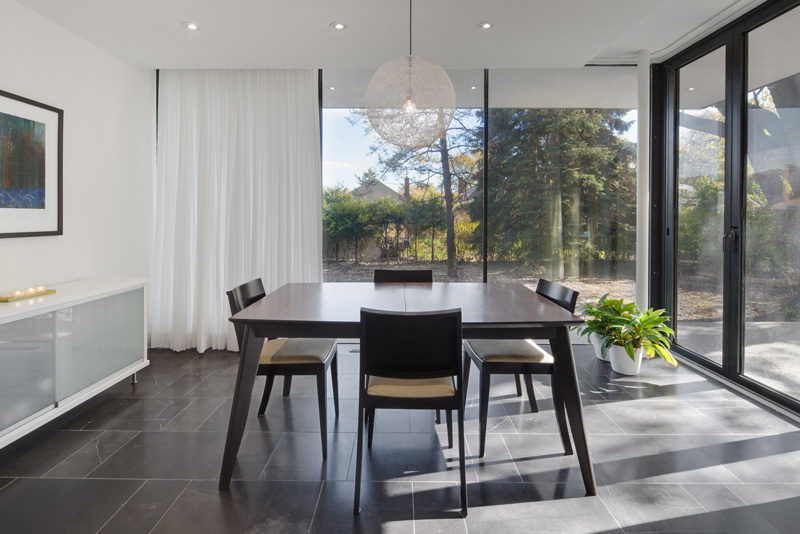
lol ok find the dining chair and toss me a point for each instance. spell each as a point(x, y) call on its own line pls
point(403, 275)
point(410, 372)
point(412, 276)
point(519, 357)
point(291, 356)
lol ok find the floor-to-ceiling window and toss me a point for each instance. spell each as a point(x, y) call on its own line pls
point(772, 206)
point(562, 178)
point(731, 198)
point(561, 183)
point(388, 207)
point(701, 184)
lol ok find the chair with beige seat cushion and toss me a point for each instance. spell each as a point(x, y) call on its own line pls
point(519, 357)
point(411, 276)
point(291, 356)
point(410, 361)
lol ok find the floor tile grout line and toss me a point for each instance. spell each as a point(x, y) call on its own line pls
point(474, 465)
point(7, 484)
point(186, 395)
point(121, 506)
point(689, 493)
point(316, 506)
point(602, 411)
point(271, 454)
point(170, 506)
point(97, 437)
point(167, 402)
point(192, 402)
point(399, 479)
point(513, 460)
point(753, 508)
point(413, 511)
point(350, 456)
point(197, 429)
point(112, 454)
point(603, 502)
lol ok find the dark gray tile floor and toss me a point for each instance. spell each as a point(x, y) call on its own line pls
point(673, 452)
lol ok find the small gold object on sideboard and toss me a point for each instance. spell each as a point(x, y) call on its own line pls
point(26, 294)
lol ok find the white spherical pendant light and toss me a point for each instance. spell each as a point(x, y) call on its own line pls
point(410, 100)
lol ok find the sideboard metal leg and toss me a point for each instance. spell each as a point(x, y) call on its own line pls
point(133, 379)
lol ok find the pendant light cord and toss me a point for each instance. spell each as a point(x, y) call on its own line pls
point(410, 8)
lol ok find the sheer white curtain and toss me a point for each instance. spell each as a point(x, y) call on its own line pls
point(238, 196)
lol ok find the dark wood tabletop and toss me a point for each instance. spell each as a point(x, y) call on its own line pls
point(338, 305)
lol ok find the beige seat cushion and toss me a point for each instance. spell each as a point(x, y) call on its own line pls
point(295, 350)
point(416, 388)
point(510, 350)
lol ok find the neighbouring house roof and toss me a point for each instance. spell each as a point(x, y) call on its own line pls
point(374, 190)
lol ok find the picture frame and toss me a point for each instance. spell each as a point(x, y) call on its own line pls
point(31, 167)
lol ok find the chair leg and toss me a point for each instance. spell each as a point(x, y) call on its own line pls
point(519, 385)
point(322, 400)
point(449, 415)
point(462, 462)
point(561, 418)
point(467, 362)
point(287, 385)
point(483, 409)
point(265, 397)
point(335, 384)
point(370, 427)
point(531, 394)
point(359, 454)
point(438, 417)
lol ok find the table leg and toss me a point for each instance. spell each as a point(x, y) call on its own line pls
point(246, 377)
point(568, 382)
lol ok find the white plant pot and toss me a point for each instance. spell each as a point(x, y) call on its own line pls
point(597, 344)
point(622, 363)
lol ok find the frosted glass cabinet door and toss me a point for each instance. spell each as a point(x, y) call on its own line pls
point(26, 368)
point(98, 338)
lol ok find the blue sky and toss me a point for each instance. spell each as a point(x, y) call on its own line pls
point(345, 149)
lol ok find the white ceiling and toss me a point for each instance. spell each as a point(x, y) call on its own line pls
point(297, 33)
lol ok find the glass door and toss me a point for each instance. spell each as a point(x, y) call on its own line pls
point(730, 233)
point(700, 212)
point(772, 206)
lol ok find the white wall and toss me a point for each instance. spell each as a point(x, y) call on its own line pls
point(109, 148)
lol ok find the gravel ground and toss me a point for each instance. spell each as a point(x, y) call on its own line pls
point(698, 296)
point(590, 288)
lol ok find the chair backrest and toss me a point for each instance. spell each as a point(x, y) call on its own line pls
point(243, 296)
point(399, 276)
point(561, 295)
point(411, 345)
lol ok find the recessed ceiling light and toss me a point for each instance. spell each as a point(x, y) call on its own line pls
point(474, 87)
point(338, 25)
point(691, 88)
point(191, 26)
point(485, 25)
point(331, 88)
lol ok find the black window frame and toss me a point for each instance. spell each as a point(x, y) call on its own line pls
point(663, 183)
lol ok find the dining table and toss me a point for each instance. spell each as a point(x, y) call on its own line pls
point(332, 310)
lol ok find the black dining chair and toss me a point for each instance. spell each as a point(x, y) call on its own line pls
point(519, 357)
point(412, 276)
point(403, 275)
point(410, 361)
point(290, 356)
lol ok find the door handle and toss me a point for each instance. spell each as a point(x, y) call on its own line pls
point(731, 236)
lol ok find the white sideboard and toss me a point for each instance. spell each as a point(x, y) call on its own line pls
point(58, 350)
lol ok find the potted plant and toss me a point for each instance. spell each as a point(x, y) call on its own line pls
point(598, 319)
point(633, 334)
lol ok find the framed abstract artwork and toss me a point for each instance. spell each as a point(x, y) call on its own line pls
point(31, 167)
